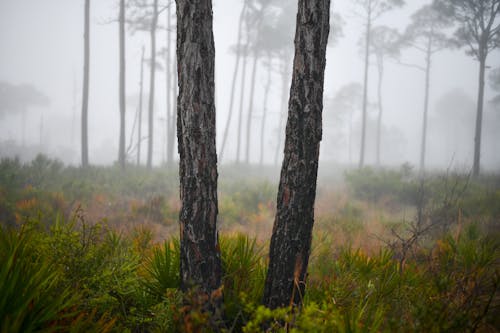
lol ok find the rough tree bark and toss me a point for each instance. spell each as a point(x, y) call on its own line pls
point(200, 255)
point(291, 239)
point(85, 94)
point(152, 32)
point(121, 93)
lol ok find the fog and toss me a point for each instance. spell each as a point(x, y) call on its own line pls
point(42, 48)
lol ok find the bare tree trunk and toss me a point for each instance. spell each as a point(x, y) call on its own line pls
point(85, 94)
point(250, 106)
point(200, 255)
point(284, 88)
point(365, 86)
point(242, 98)
point(121, 150)
point(426, 105)
point(233, 84)
point(154, 22)
point(292, 231)
point(479, 113)
point(380, 66)
point(139, 125)
point(264, 109)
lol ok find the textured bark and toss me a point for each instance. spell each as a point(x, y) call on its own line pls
point(121, 93)
point(152, 32)
point(85, 94)
point(291, 239)
point(139, 124)
point(200, 255)
point(233, 84)
point(365, 85)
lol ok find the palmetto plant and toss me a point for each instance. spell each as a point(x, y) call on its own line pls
point(162, 269)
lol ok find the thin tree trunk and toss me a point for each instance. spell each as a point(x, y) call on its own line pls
point(242, 98)
point(426, 105)
point(170, 111)
point(284, 86)
point(139, 125)
point(233, 84)
point(365, 86)
point(154, 21)
point(264, 110)
point(250, 106)
point(292, 231)
point(380, 65)
point(121, 150)
point(479, 114)
point(85, 94)
point(200, 256)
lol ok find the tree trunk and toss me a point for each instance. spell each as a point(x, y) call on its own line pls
point(250, 106)
point(479, 113)
point(200, 255)
point(292, 231)
point(426, 105)
point(242, 98)
point(121, 150)
point(264, 110)
point(85, 94)
point(380, 66)
point(284, 86)
point(365, 86)
point(154, 22)
point(233, 84)
point(139, 125)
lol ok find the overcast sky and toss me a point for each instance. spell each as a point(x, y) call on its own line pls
point(42, 41)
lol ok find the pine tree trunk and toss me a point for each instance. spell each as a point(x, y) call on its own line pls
point(264, 109)
point(380, 65)
point(365, 87)
point(292, 231)
point(85, 94)
point(250, 106)
point(200, 255)
point(426, 106)
point(139, 125)
point(479, 114)
point(121, 94)
point(154, 22)
point(233, 84)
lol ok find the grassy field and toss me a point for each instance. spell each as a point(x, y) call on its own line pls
point(97, 251)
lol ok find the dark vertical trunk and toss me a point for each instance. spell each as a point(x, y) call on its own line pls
point(121, 150)
point(264, 109)
point(426, 105)
point(154, 21)
point(139, 125)
point(250, 106)
point(365, 86)
point(291, 239)
point(284, 86)
point(200, 255)
point(170, 111)
point(479, 113)
point(85, 94)
point(233, 84)
point(242, 98)
point(380, 66)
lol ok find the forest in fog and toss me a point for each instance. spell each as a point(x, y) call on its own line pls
point(249, 166)
point(41, 72)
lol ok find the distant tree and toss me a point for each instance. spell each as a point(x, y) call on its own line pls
point(425, 33)
point(495, 85)
point(292, 231)
point(170, 81)
point(139, 109)
point(85, 95)
point(370, 10)
point(121, 95)
point(384, 43)
point(478, 29)
point(199, 250)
